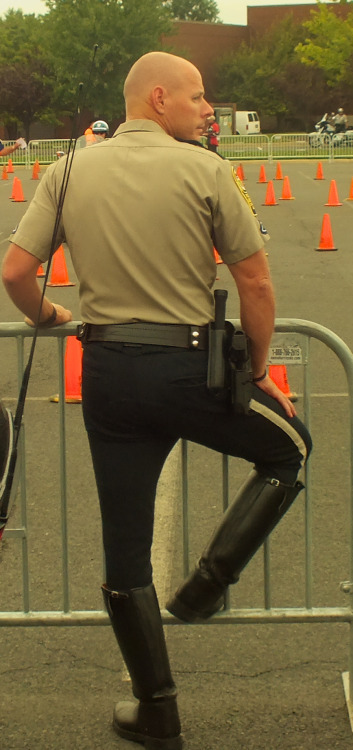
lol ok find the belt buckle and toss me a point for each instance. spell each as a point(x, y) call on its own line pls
point(80, 331)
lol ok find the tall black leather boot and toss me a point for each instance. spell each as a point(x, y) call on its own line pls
point(256, 510)
point(137, 624)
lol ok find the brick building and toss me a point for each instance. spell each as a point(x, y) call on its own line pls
point(204, 43)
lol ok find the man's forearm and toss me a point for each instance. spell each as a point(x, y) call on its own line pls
point(19, 275)
point(27, 296)
point(257, 306)
point(7, 150)
point(257, 319)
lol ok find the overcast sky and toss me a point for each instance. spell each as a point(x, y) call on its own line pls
point(231, 11)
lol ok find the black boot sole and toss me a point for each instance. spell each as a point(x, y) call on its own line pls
point(185, 614)
point(150, 743)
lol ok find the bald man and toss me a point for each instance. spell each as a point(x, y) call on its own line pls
point(143, 254)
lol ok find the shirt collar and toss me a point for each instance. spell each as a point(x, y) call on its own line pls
point(131, 126)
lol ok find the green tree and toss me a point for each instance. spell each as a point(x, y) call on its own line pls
point(270, 75)
point(249, 76)
point(291, 84)
point(328, 44)
point(194, 10)
point(24, 96)
point(26, 79)
point(123, 30)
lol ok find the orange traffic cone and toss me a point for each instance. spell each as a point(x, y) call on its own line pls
point(319, 172)
point(17, 192)
point(278, 373)
point(4, 175)
point(286, 192)
point(270, 199)
point(350, 197)
point(13, 188)
point(262, 174)
point(240, 172)
point(73, 372)
point(326, 239)
point(217, 256)
point(10, 168)
point(40, 272)
point(333, 195)
point(35, 171)
point(279, 175)
point(59, 275)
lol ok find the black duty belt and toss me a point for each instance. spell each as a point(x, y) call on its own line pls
point(159, 334)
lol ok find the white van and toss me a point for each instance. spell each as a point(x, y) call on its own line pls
point(246, 123)
point(235, 122)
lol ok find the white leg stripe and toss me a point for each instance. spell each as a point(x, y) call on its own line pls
point(282, 424)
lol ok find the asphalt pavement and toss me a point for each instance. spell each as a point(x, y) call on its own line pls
point(249, 686)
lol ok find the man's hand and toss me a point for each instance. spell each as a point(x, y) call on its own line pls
point(62, 316)
point(268, 386)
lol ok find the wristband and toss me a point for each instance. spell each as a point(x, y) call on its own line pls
point(262, 377)
point(49, 321)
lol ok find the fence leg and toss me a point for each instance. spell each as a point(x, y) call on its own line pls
point(347, 678)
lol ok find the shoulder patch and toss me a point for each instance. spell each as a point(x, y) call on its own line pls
point(244, 193)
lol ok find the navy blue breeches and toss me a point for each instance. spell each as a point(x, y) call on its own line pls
point(137, 402)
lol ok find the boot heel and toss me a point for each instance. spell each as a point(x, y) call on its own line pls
point(173, 743)
point(151, 743)
point(141, 722)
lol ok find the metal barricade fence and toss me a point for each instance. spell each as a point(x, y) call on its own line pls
point(282, 146)
point(309, 146)
point(43, 151)
point(291, 345)
point(295, 146)
point(241, 147)
point(46, 152)
point(232, 147)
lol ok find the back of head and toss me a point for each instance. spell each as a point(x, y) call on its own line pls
point(151, 70)
point(167, 89)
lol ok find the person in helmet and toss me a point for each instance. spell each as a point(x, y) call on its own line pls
point(96, 132)
point(340, 121)
point(100, 128)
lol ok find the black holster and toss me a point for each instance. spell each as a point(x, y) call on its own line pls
point(241, 377)
point(229, 375)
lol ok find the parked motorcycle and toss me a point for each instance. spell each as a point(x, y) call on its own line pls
point(325, 133)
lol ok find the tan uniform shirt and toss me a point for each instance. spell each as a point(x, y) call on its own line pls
point(141, 216)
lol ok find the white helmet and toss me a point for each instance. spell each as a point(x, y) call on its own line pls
point(100, 127)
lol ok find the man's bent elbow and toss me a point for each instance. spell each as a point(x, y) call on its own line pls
point(263, 288)
point(18, 267)
point(11, 276)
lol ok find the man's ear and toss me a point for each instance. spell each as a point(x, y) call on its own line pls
point(158, 99)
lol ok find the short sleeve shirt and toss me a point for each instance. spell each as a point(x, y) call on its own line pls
point(141, 217)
